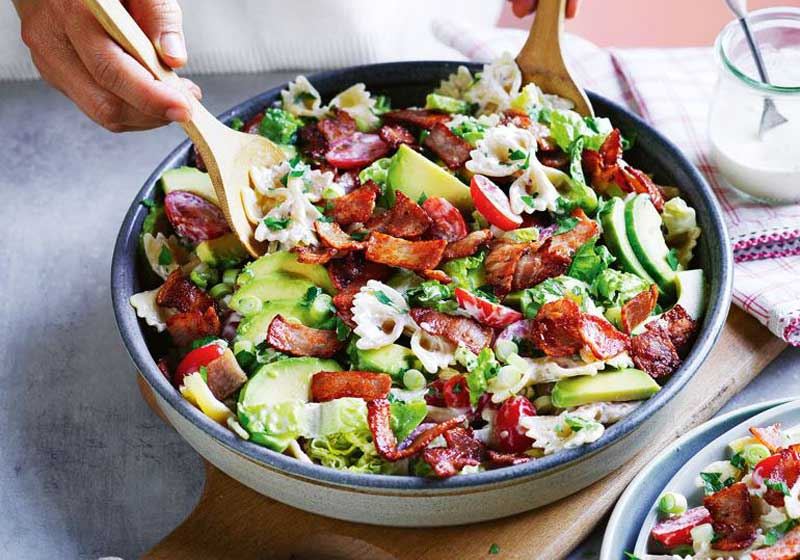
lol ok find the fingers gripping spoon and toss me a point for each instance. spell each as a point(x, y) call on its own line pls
point(770, 116)
point(542, 61)
point(228, 154)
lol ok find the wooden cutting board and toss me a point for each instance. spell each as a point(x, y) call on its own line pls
point(232, 521)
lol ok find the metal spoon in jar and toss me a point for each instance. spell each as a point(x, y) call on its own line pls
point(770, 116)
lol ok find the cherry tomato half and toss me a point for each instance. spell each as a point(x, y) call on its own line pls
point(196, 359)
point(676, 531)
point(456, 392)
point(507, 432)
point(493, 204)
point(484, 311)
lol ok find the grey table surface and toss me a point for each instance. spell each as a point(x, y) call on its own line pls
point(86, 469)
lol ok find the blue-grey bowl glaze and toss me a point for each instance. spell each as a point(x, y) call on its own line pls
point(407, 83)
point(633, 515)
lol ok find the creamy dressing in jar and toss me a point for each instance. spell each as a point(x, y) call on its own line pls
point(767, 168)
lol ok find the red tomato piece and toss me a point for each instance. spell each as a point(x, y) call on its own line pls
point(493, 204)
point(448, 223)
point(196, 359)
point(484, 311)
point(357, 151)
point(508, 433)
point(434, 396)
point(676, 531)
point(456, 392)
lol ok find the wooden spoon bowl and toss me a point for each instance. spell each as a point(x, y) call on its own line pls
point(228, 154)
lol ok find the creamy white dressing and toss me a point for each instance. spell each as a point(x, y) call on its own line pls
point(768, 167)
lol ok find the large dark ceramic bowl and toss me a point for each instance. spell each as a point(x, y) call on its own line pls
point(410, 501)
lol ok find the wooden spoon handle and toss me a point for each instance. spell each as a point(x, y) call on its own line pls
point(119, 24)
point(541, 58)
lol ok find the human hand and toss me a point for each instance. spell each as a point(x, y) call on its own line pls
point(76, 56)
point(522, 8)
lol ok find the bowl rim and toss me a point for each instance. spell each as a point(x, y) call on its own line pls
point(129, 327)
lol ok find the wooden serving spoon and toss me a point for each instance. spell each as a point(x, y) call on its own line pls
point(228, 154)
point(542, 62)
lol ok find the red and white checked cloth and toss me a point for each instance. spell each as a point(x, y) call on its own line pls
point(671, 89)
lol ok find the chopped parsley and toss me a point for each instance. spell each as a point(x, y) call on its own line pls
point(237, 123)
point(777, 486)
point(774, 534)
point(422, 198)
point(311, 294)
point(528, 199)
point(494, 549)
point(200, 342)
point(712, 482)
point(359, 235)
point(738, 461)
point(165, 256)
point(147, 203)
point(382, 105)
point(576, 423)
point(203, 373)
point(383, 298)
point(566, 224)
point(630, 556)
point(342, 330)
point(515, 155)
point(275, 224)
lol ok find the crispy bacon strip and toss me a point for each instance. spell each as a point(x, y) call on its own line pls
point(414, 255)
point(406, 218)
point(189, 326)
point(296, 339)
point(356, 206)
point(467, 246)
point(638, 308)
point(680, 325)
point(653, 352)
point(501, 263)
point(379, 418)
point(224, 376)
point(329, 385)
point(787, 470)
point(601, 337)
point(607, 170)
point(337, 127)
point(770, 436)
point(451, 149)
point(788, 548)
point(456, 329)
point(314, 255)
point(555, 255)
point(422, 118)
point(462, 450)
point(311, 142)
point(354, 268)
point(557, 328)
point(343, 302)
point(497, 459)
point(516, 118)
point(436, 274)
point(395, 134)
point(180, 293)
point(553, 158)
point(332, 235)
point(732, 516)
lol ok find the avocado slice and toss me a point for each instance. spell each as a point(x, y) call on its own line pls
point(254, 328)
point(621, 385)
point(643, 226)
point(250, 298)
point(284, 382)
point(189, 179)
point(445, 103)
point(612, 217)
point(393, 359)
point(223, 252)
point(692, 293)
point(286, 262)
point(414, 174)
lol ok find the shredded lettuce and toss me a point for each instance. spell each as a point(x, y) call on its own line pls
point(467, 272)
point(553, 289)
point(279, 126)
point(351, 451)
point(680, 220)
point(567, 126)
point(432, 294)
point(377, 171)
point(589, 261)
point(614, 288)
point(447, 104)
point(485, 368)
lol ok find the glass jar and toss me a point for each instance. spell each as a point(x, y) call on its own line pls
point(766, 168)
